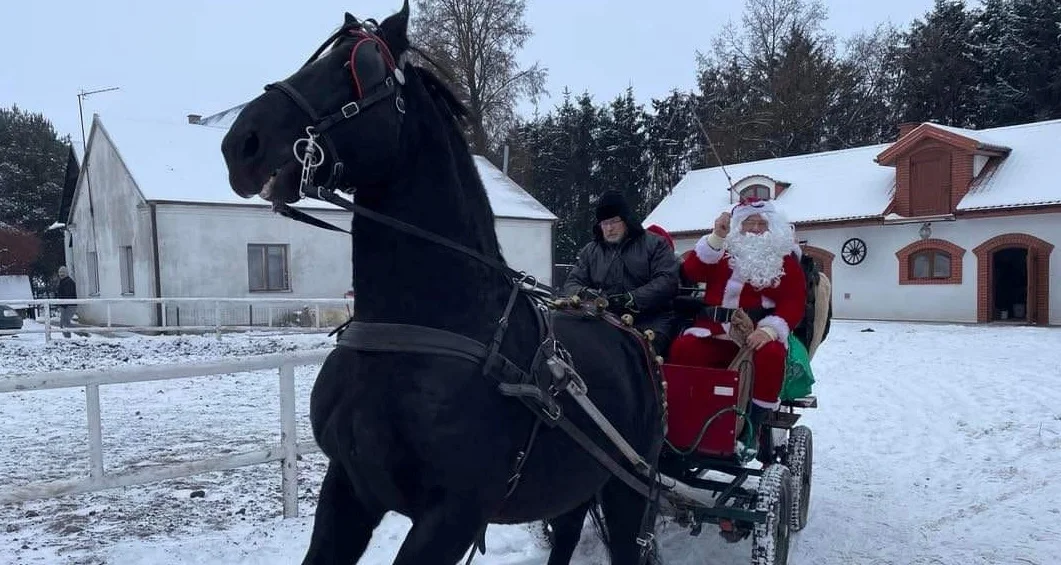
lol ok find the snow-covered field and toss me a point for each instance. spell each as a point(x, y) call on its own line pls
point(934, 444)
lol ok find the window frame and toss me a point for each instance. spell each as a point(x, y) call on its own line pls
point(125, 270)
point(755, 187)
point(263, 249)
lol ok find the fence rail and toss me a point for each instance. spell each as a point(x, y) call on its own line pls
point(286, 451)
point(193, 315)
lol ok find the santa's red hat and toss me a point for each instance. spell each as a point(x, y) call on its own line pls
point(662, 233)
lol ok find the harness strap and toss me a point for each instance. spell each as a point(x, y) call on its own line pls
point(405, 338)
point(329, 195)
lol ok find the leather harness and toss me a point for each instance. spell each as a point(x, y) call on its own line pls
point(551, 372)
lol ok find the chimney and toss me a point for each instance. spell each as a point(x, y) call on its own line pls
point(194, 118)
point(907, 127)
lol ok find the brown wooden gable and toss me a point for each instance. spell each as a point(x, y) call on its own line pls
point(933, 169)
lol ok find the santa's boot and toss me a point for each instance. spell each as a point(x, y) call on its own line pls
point(748, 446)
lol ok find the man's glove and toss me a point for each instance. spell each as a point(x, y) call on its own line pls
point(624, 301)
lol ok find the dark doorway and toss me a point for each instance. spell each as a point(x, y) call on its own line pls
point(1009, 292)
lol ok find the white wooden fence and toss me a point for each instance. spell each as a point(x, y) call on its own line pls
point(287, 451)
point(215, 306)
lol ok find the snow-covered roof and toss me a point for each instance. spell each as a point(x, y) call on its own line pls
point(15, 287)
point(834, 185)
point(849, 184)
point(182, 162)
point(508, 199)
point(1027, 176)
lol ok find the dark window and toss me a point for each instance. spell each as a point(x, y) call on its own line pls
point(759, 191)
point(930, 264)
point(267, 267)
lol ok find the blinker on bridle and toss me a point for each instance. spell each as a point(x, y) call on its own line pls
point(308, 152)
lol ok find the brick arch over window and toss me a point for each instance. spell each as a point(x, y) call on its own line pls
point(822, 257)
point(985, 253)
point(933, 248)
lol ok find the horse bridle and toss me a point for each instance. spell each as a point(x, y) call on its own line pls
point(308, 151)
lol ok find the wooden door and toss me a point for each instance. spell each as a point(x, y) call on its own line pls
point(1032, 299)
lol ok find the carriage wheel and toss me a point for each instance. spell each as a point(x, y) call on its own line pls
point(774, 496)
point(799, 457)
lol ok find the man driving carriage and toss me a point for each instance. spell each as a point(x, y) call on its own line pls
point(748, 263)
point(635, 269)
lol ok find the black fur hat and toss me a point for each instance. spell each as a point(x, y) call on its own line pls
point(610, 204)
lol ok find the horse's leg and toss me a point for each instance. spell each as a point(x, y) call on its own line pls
point(623, 511)
point(442, 533)
point(567, 531)
point(343, 524)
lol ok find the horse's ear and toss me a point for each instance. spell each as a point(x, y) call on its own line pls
point(350, 20)
point(394, 30)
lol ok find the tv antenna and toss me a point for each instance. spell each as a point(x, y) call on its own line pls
point(81, 95)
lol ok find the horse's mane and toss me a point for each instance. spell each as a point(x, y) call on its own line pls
point(441, 93)
point(456, 113)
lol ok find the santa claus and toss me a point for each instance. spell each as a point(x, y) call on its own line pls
point(748, 262)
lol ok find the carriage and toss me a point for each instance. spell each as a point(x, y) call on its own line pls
point(705, 422)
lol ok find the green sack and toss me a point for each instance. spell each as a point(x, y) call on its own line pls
point(798, 377)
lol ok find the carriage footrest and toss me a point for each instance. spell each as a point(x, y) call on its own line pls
point(783, 420)
point(808, 402)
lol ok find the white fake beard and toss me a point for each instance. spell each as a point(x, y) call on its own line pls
point(758, 259)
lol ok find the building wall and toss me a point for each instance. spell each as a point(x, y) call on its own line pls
point(871, 289)
point(117, 218)
point(527, 245)
point(204, 251)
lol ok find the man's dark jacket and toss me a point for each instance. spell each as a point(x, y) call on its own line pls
point(642, 264)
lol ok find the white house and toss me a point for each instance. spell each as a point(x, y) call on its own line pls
point(944, 224)
point(152, 215)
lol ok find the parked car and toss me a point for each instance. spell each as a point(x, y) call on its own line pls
point(9, 318)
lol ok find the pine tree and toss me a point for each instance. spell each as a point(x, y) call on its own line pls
point(936, 75)
point(32, 168)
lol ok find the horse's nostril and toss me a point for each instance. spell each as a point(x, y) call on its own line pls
point(250, 146)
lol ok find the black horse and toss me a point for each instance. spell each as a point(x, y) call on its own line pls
point(420, 433)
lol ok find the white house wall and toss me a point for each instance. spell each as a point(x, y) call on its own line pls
point(204, 254)
point(871, 290)
point(118, 221)
point(527, 245)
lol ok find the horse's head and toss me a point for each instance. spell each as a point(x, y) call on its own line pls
point(351, 88)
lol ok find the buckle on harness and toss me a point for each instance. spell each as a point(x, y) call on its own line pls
point(350, 110)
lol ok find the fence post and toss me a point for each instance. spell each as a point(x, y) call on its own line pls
point(108, 314)
point(95, 431)
point(288, 441)
point(47, 322)
point(217, 319)
point(318, 316)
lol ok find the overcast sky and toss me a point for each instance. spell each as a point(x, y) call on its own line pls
point(172, 58)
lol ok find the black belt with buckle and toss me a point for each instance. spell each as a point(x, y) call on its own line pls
point(723, 315)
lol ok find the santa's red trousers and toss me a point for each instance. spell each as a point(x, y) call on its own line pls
point(769, 361)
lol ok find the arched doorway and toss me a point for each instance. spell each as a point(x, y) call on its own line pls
point(1013, 279)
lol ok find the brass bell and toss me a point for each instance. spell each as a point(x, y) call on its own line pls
point(650, 335)
point(576, 300)
point(628, 320)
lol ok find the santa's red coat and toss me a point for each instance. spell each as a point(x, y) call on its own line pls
point(723, 288)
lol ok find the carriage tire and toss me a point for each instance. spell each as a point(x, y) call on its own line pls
point(774, 496)
point(799, 458)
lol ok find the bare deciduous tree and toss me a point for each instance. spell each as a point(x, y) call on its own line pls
point(476, 42)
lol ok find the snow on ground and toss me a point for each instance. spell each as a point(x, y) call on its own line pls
point(934, 444)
